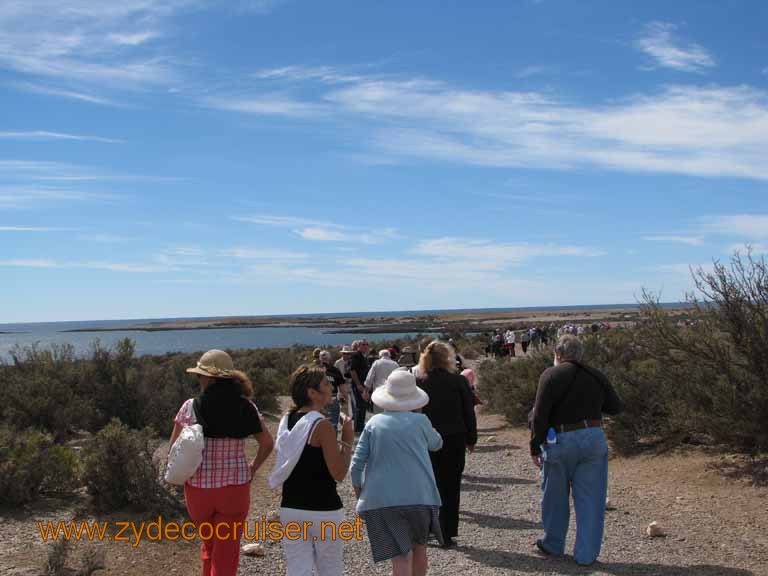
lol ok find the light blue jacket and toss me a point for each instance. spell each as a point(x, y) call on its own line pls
point(391, 462)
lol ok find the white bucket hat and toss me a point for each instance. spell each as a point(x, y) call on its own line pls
point(400, 393)
point(214, 363)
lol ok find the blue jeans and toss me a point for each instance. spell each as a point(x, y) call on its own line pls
point(578, 462)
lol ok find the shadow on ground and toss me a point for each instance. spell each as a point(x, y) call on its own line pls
point(469, 487)
point(744, 468)
point(498, 522)
point(501, 480)
point(542, 565)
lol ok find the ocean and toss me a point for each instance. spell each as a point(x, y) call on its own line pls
point(45, 334)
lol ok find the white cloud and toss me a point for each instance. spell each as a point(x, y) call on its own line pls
point(711, 131)
point(90, 265)
point(323, 231)
point(324, 74)
point(134, 39)
point(324, 235)
point(88, 40)
point(264, 254)
point(660, 43)
point(281, 221)
point(104, 238)
point(29, 263)
point(690, 240)
point(752, 226)
point(23, 196)
point(63, 93)
point(683, 269)
point(699, 131)
point(266, 105)
point(487, 255)
point(32, 228)
point(47, 135)
point(748, 248)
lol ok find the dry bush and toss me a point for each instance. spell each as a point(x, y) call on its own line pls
point(119, 471)
point(30, 464)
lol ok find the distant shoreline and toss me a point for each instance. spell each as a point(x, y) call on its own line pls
point(463, 321)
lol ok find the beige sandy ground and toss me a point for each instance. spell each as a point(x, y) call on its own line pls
point(716, 526)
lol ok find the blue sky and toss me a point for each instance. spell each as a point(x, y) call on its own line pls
point(194, 158)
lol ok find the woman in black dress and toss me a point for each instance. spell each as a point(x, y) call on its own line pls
point(451, 411)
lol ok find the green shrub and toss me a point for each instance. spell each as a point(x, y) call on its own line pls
point(30, 464)
point(509, 387)
point(119, 471)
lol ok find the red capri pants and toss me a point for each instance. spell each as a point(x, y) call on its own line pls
point(225, 505)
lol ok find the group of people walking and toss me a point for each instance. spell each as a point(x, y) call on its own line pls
point(407, 464)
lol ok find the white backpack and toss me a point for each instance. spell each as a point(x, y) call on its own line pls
point(186, 453)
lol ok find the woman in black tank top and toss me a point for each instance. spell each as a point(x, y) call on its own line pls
point(309, 493)
point(311, 471)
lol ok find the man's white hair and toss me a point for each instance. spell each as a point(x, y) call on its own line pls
point(384, 353)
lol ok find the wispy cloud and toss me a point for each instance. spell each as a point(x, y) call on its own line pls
point(28, 263)
point(323, 231)
point(106, 43)
point(529, 71)
point(324, 74)
point(244, 253)
point(63, 93)
point(748, 248)
point(494, 255)
point(690, 240)
point(21, 196)
point(47, 135)
point(659, 41)
point(266, 105)
point(703, 131)
point(751, 226)
point(33, 228)
point(125, 267)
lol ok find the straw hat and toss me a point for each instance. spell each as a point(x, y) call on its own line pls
point(347, 350)
point(400, 393)
point(214, 363)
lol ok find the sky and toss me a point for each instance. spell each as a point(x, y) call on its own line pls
point(171, 158)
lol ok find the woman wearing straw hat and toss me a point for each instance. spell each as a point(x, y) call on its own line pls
point(398, 499)
point(452, 413)
point(219, 491)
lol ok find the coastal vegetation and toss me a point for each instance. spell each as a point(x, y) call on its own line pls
point(70, 421)
point(693, 377)
point(698, 379)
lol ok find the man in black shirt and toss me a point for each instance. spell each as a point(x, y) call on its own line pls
point(359, 371)
point(567, 440)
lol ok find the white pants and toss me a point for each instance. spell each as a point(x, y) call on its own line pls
point(319, 551)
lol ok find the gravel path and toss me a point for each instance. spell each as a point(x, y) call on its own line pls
point(500, 521)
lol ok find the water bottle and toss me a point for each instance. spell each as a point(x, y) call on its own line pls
point(551, 436)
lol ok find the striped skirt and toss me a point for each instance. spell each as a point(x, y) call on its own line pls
point(392, 531)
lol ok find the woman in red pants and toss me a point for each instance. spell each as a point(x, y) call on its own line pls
point(219, 492)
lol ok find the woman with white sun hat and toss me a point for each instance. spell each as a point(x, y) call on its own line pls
point(393, 479)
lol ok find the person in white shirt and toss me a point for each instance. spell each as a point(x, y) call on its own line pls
point(509, 340)
point(379, 372)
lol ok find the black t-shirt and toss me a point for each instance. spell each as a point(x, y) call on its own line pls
point(360, 366)
point(334, 376)
point(568, 394)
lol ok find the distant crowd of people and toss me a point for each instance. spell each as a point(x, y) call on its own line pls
point(505, 342)
point(405, 460)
